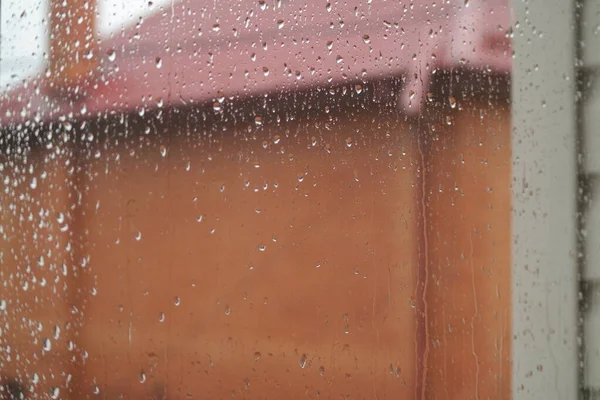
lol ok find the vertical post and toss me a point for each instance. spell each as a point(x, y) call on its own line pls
point(73, 55)
point(545, 273)
point(590, 122)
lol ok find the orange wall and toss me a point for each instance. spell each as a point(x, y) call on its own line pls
point(468, 256)
point(350, 210)
point(248, 318)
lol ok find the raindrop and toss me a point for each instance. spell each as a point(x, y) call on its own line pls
point(322, 370)
point(112, 55)
point(339, 59)
point(303, 361)
point(158, 62)
point(138, 236)
point(216, 27)
point(349, 142)
point(96, 389)
point(265, 71)
point(177, 301)
point(366, 38)
point(161, 317)
point(257, 355)
point(262, 247)
point(47, 345)
point(54, 393)
point(142, 377)
point(163, 150)
point(280, 23)
point(262, 4)
point(276, 139)
point(2, 304)
point(452, 101)
point(329, 44)
point(358, 89)
point(258, 121)
point(227, 310)
point(217, 106)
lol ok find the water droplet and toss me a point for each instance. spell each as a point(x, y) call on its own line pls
point(349, 142)
point(358, 88)
point(161, 317)
point(138, 236)
point(56, 332)
point(322, 370)
point(216, 27)
point(2, 304)
point(177, 301)
point(262, 4)
point(452, 101)
point(276, 139)
point(96, 390)
point(303, 361)
point(366, 38)
point(142, 377)
point(35, 378)
point(163, 151)
point(257, 355)
point(47, 344)
point(227, 310)
point(258, 121)
point(112, 55)
point(329, 44)
point(265, 71)
point(262, 247)
point(280, 23)
point(448, 120)
point(339, 59)
point(158, 62)
point(54, 393)
point(33, 183)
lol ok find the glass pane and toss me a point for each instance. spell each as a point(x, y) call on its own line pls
point(256, 199)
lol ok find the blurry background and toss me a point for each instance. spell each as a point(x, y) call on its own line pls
point(262, 198)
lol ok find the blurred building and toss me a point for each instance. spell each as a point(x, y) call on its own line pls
point(262, 199)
